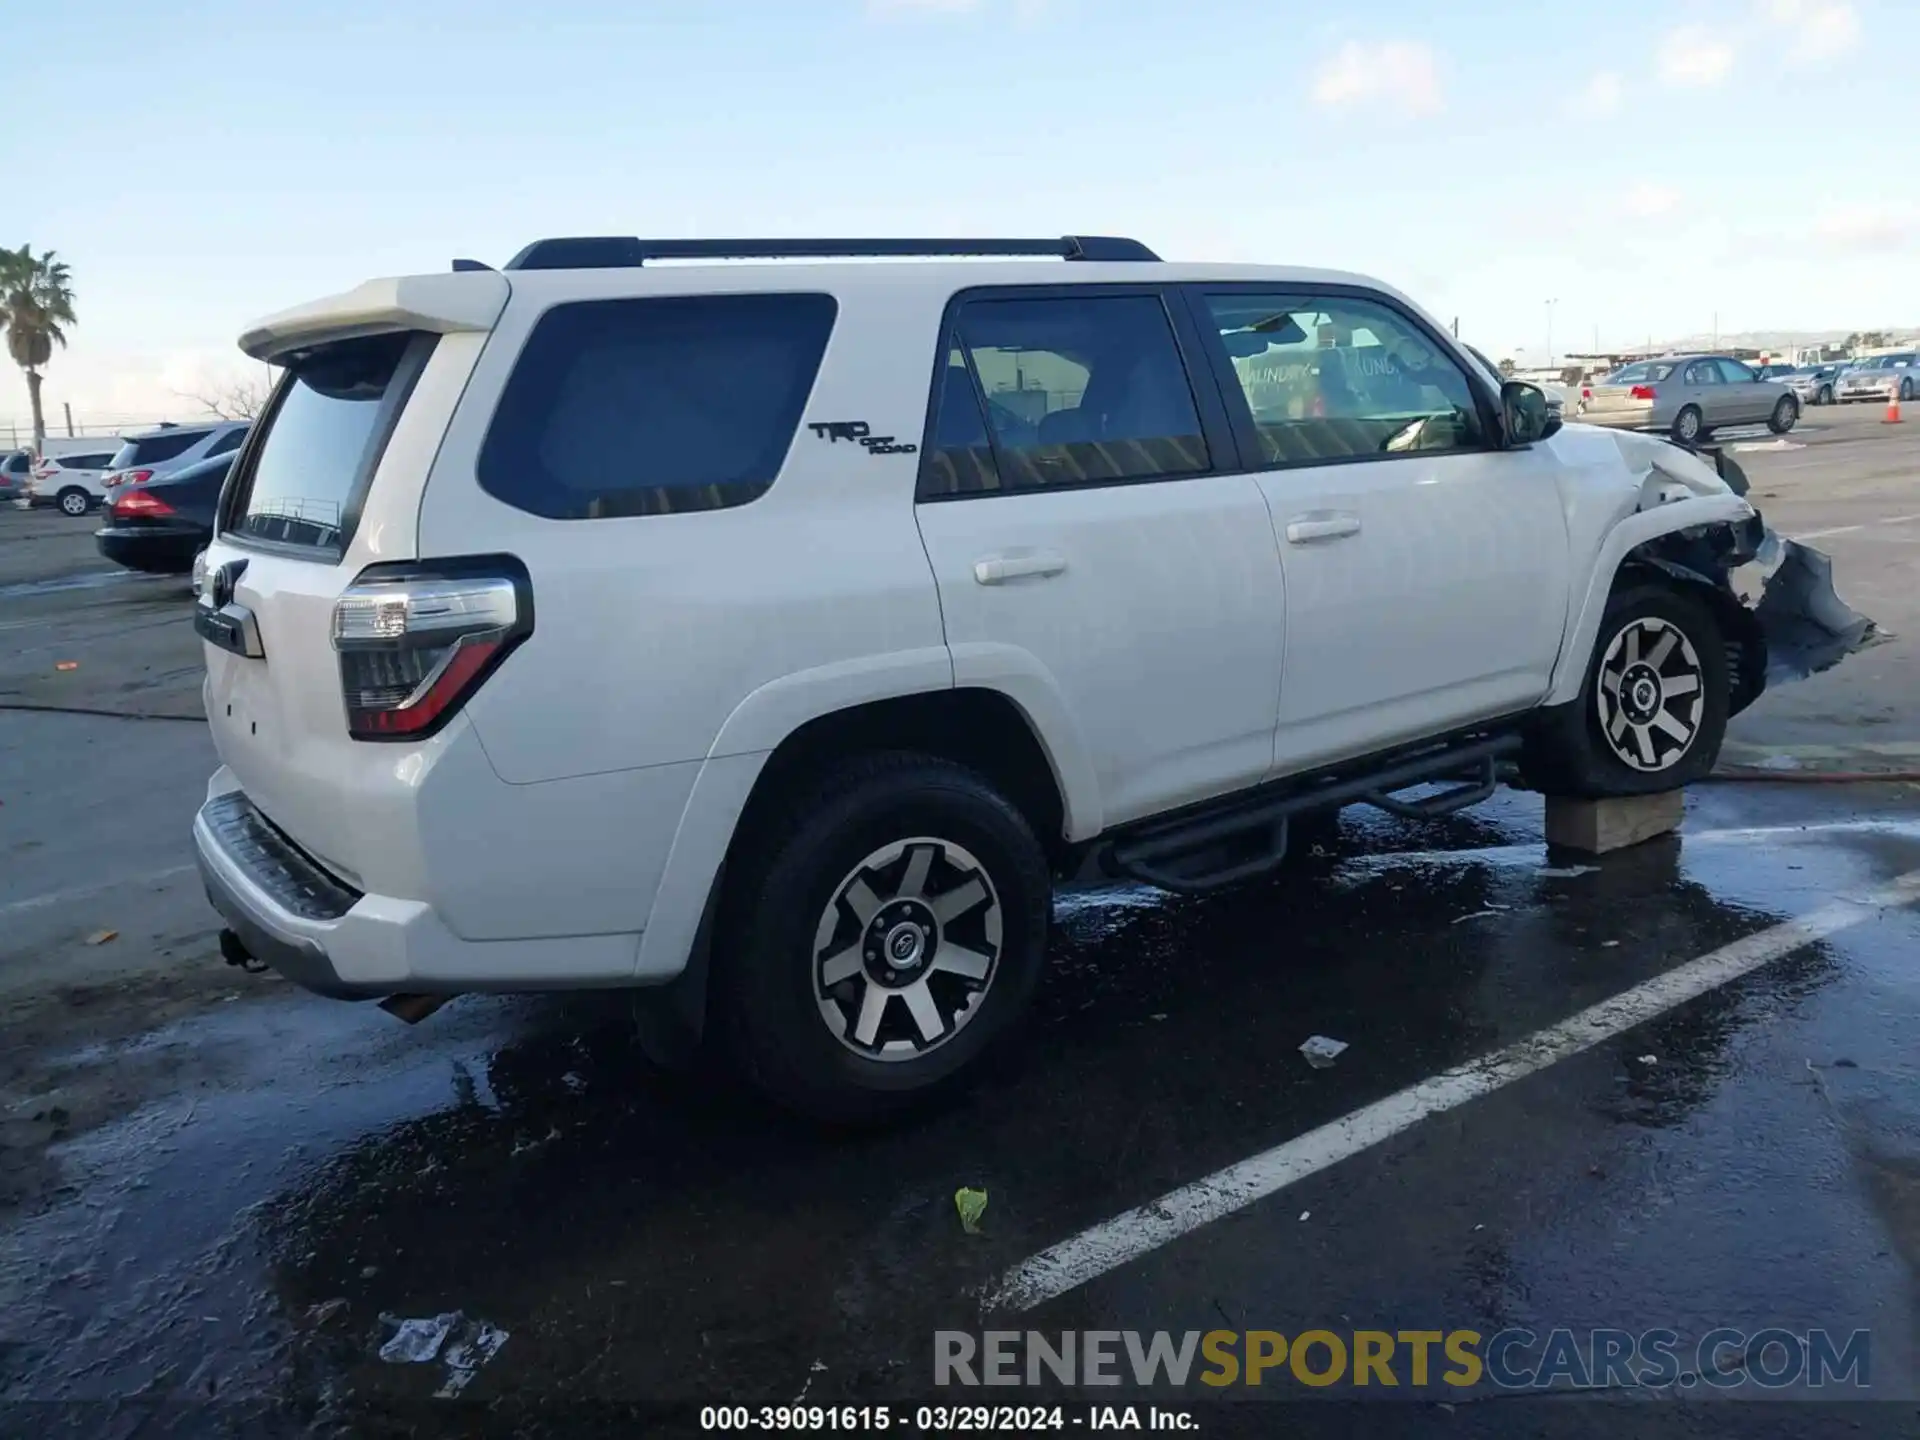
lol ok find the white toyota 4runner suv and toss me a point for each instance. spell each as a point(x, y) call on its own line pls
point(777, 636)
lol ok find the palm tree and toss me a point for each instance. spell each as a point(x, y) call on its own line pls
point(36, 301)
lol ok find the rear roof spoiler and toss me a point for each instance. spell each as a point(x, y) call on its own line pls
point(440, 304)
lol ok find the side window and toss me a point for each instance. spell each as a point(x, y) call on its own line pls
point(226, 444)
point(960, 459)
point(1736, 373)
point(654, 406)
point(1702, 372)
point(1336, 378)
point(1076, 391)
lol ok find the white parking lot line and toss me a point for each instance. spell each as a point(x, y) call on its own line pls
point(1849, 529)
point(1113, 1243)
point(83, 892)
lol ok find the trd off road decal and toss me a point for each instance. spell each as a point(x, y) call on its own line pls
point(861, 433)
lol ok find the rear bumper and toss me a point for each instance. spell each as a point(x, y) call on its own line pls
point(319, 932)
point(167, 549)
point(1621, 419)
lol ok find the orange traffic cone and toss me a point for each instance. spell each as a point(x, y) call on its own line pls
point(1892, 417)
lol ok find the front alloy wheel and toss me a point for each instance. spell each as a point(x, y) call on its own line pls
point(907, 949)
point(1649, 694)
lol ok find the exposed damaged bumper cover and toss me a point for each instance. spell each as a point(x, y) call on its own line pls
point(1796, 623)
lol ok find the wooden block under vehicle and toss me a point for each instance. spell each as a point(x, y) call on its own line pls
point(1596, 826)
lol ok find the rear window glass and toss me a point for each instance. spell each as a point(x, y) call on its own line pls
point(156, 449)
point(654, 406)
point(324, 433)
point(1639, 374)
point(82, 462)
point(226, 444)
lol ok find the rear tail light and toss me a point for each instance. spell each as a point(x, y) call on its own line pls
point(129, 477)
point(1586, 392)
point(140, 502)
point(416, 640)
point(1643, 392)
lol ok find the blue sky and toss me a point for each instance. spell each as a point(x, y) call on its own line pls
point(1644, 165)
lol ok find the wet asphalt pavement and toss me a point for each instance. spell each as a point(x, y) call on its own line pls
point(310, 1166)
point(219, 1196)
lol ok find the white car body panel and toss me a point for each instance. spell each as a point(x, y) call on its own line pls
point(1445, 606)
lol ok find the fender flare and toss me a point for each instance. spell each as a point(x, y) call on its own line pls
point(767, 716)
point(1634, 531)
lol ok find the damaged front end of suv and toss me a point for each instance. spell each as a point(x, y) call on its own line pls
point(1774, 597)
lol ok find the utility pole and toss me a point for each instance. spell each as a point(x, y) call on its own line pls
point(1716, 329)
point(1550, 305)
point(67, 405)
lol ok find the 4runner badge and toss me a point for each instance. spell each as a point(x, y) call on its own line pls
point(861, 433)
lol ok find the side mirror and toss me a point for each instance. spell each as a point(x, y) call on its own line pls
point(1524, 414)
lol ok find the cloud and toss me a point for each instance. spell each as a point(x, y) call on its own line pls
point(1869, 230)
point(1647, 200)
point(1400, 71)
point(1598, 98)
point(1695, 56)
point(1823, 29)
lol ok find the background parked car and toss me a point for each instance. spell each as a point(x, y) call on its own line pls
point(16, 468)
point(1689, 397)
point(74, 481)
point(1556, 395)
point(1813, 384)
point(1880, 377)
point(161, 525)
point(155, 454)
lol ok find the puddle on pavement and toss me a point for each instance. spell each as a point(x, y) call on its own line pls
point(516, 1160)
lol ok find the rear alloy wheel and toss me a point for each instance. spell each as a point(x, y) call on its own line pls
point(905, 951)
point(1687, 425)
point(887, 925)
point(1906, 390)
point(1785, 415)
point(1825, 397)
point(74, 501)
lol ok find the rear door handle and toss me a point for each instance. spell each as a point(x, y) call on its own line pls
point(999, 569)
point(1321, 525)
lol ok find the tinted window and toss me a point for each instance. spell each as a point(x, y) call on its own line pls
point(1736, 373)
point(158, 448)
point(1334, 378)
point(226, 444)
point(325, 430)
point(94, 461)
point(959, 459)
point(18, 463)
point(1701, 372)
point(1076, 391)
point(1639, 373)
point(654, 406)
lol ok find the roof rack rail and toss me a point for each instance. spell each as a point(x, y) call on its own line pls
point(595, 252)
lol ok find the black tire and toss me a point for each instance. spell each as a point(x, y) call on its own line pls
point(1688, 426)
point(73, 501)
point(793, 873)
point(1786, 414)
point(1906, 391)
point(1825, 396)
point(1570, 753)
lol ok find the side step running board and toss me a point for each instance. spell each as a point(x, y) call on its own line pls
point(1246, 836)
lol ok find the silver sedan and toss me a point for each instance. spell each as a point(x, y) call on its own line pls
point(1880, 377)
point(1688, 397)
